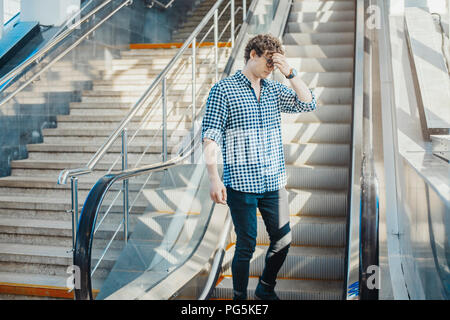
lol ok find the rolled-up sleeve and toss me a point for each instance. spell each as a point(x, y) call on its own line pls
point(214, 120)
point(290, 103)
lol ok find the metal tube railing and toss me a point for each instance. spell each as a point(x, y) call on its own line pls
point(164, 120)
point(160, 79)
point(16, 71)
point(163, 6)
point(351, 279)
point(125, 184)
point(216, 47)
point(65, 174)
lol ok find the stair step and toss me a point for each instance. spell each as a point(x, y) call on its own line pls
point(317, 154)
point(133, 98)
point(86, 156)
point(294, 130)
point(324, 16)
point(30, 286)
point(179, 79)
point(138, 62)
point(104, 119)
point(133, 148)
point(176, 113)
point(172, 92)
point(45, 186)
point(317, 202)
point(330, 38)
point(48, 228)
point(46, 208)
point(53, 167)
point(320, 79)
point(301, 263)
point(148, 76)
point(130, 87)
point(142, 60)
point(316, 26)
point(308, 64)
point(102, 132)
point(307, 231)
point(325, 113)
point(139, 140)
point(287, 289)
point(126, 54)
point(317, 177)
point(45, 86)
point(320, 51)
point(124, 105)
point(317, 6)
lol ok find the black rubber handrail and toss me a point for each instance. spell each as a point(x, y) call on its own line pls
point(369, 248)
point(83, 245)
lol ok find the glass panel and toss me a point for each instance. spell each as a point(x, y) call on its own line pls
point(263, 16)
point(10, 9)
point(166, 222)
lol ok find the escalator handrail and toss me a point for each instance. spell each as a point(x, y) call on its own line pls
point(352, 249)
point(83, 245)
point(67, 173)
point(50, 45)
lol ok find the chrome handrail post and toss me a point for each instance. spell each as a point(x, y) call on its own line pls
point(74, 198)
point(216, 47)
point(244, 10)
point(232, 23)
point(164, 116)
point(125, 184)
point(194, 88)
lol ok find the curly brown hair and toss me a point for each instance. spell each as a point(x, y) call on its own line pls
point(262, 43)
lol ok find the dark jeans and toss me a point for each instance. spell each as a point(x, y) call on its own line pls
point(274, 209)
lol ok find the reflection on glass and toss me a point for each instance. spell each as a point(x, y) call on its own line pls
point(166, 225)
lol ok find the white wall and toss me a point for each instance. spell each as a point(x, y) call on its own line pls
point(48, 12)
point(1, 18)
point(10, 9)
point(397, 6)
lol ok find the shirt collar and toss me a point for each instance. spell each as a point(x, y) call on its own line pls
point(242, 77)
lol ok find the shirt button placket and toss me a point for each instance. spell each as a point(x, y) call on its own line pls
point(263, 140)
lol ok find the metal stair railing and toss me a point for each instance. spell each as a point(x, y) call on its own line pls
point(33, 68)
point(361, 249)
point(144, 102)
point(91, 210)
point(161, 5)
point(36, 59)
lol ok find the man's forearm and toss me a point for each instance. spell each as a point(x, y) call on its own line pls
point(297, 83)
point(301, 89)
point(210, 149)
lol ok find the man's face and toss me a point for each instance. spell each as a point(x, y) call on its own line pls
point(262, 66)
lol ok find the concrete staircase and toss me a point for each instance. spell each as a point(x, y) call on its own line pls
point(182, 33)
point(35, 227)
point(319, 44)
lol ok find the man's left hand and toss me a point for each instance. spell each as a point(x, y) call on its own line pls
point(281, 63)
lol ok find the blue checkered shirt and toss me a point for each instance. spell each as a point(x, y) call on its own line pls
point(249, 132)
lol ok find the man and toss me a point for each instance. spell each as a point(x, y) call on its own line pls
point(243, 117)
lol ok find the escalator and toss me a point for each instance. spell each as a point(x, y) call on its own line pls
point(171, 242)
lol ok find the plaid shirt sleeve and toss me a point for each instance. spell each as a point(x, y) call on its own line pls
point(214, 120)
point(290, 103)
